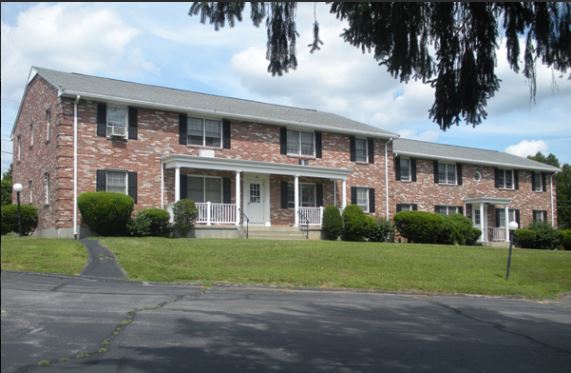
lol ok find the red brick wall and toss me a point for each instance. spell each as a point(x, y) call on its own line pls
point(426, 194)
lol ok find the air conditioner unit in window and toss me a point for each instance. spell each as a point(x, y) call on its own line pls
point(117, 131)
point(304, 162)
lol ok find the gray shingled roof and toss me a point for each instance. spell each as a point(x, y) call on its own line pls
point(71, 84)
point(464, 154)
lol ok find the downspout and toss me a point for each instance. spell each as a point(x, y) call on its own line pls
point(552, 202)
point(75, 233)
point(387, 179)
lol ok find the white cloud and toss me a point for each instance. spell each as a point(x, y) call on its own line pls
point(527, 147)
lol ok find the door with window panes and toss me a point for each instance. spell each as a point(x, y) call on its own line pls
point(255, 199)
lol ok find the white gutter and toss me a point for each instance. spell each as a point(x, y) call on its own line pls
point(552, 203)
point(228, 115)
point(387, 179)
point(75, 233)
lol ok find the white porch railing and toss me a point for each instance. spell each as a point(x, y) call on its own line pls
point(216, 213)
point(499, 234)
point(310, 215)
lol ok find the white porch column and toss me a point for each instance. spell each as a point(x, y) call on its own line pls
point(483, 224)
point(162, 186)
point(344, 194)
point(238, 201)
point(296, 200)
point(177, 184)
point(507, 222)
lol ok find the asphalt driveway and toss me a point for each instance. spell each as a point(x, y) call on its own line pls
point(53, 324)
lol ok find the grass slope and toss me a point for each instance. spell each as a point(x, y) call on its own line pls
point(50, 255)
point(325, 264)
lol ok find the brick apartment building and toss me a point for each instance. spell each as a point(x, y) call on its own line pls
point(273, 165)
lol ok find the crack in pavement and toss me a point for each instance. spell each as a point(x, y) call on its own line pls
point(104, 345)
point(500, 327)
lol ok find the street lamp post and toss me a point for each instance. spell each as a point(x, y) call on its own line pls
point(18, 188)
point(512, 227)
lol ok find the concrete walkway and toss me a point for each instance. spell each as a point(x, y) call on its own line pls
point(101, 262)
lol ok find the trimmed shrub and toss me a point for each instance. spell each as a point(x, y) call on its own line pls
point(158, 221)
point(525, 238)
point(332, 226)
point(419, 226)
point(184, 212)
point(565, 239)
point(139, 226)
point(538, 236)
point(355, 224)
point(380, 230)
point(462, 231)
point(29, 216)
point(106, 213)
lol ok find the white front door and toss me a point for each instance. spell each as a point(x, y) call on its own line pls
point(256, 199)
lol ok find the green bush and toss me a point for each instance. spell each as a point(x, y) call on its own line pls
point(139, 226)
point(380, 230)
point(355, 224)
point(106, 213)
point(565, 239)
point(538, 236)
point(184, 212)
point(29, 216)
point(462, 232)
point(332, 225)
point(159, 221)
point(419, 226)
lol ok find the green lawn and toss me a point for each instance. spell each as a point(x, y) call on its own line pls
point(50, 255)
point(324, 264)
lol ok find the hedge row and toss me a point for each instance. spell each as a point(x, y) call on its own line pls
point(354, 225)
point(29, 215)
point(542, 236)
point(426, 227)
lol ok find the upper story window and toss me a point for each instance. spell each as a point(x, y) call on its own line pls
point(300, 143)
point(538, 182)
point(361, 150)
point(117, 119)
point(446, 173)
point(205, 189)
point(204, 132)
point(48, 124)
point(307, 195)
point(116, 181)
point(505, 179)
point(405, 170)
point(31, 134)
point(447, 210)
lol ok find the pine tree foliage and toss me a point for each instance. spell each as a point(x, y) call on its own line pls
point(451, 46)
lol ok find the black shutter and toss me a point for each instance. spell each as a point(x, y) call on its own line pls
point(544, 216)
point(100, 183)
point(543, 183)
point(102, 119)
point(226, 134)
point(414, 207)
point(413, 169)
point(319, 194)
point(283, 140)
point(132, 185)
point(397, 167)
point(533, 181)
point(436, 209)
point(183, 186)
point(354, 195)
point(436, 179)
point(133, 123)
point(516, 179)
point(371, 199)
point(517, 217)
point(399, 207)
point(318, 145)
point(352, 148)
point(461, 210)
point(497, 177)
point(182, 124)
point(284, 194)
point(459, 173)
point(226, 190)
point(497, 218)
point(371, 149)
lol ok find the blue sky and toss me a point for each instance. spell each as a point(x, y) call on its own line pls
point(160, 44)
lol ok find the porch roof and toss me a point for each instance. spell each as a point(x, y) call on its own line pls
point(490, 200)
point(226, 164)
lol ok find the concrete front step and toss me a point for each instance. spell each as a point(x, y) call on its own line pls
point(276, 233)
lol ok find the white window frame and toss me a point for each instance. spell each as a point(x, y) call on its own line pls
point(30, 193)
point(477, 217)
point(117, 171)
point(203, 120)
point(446, 181)
point(538, 181)
point(204, 177)
point(46, 189)
point(19, 147)
point(504, 184)
point(402, 176)
point(291, 203)
point(511, 217)
point(450, 210)
point(357, 189)
point(540, 220)
point(108, 126)
point(366, 141)
point(406, 206)
point(299, 153)
point(31, 134)
point(48, 124)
